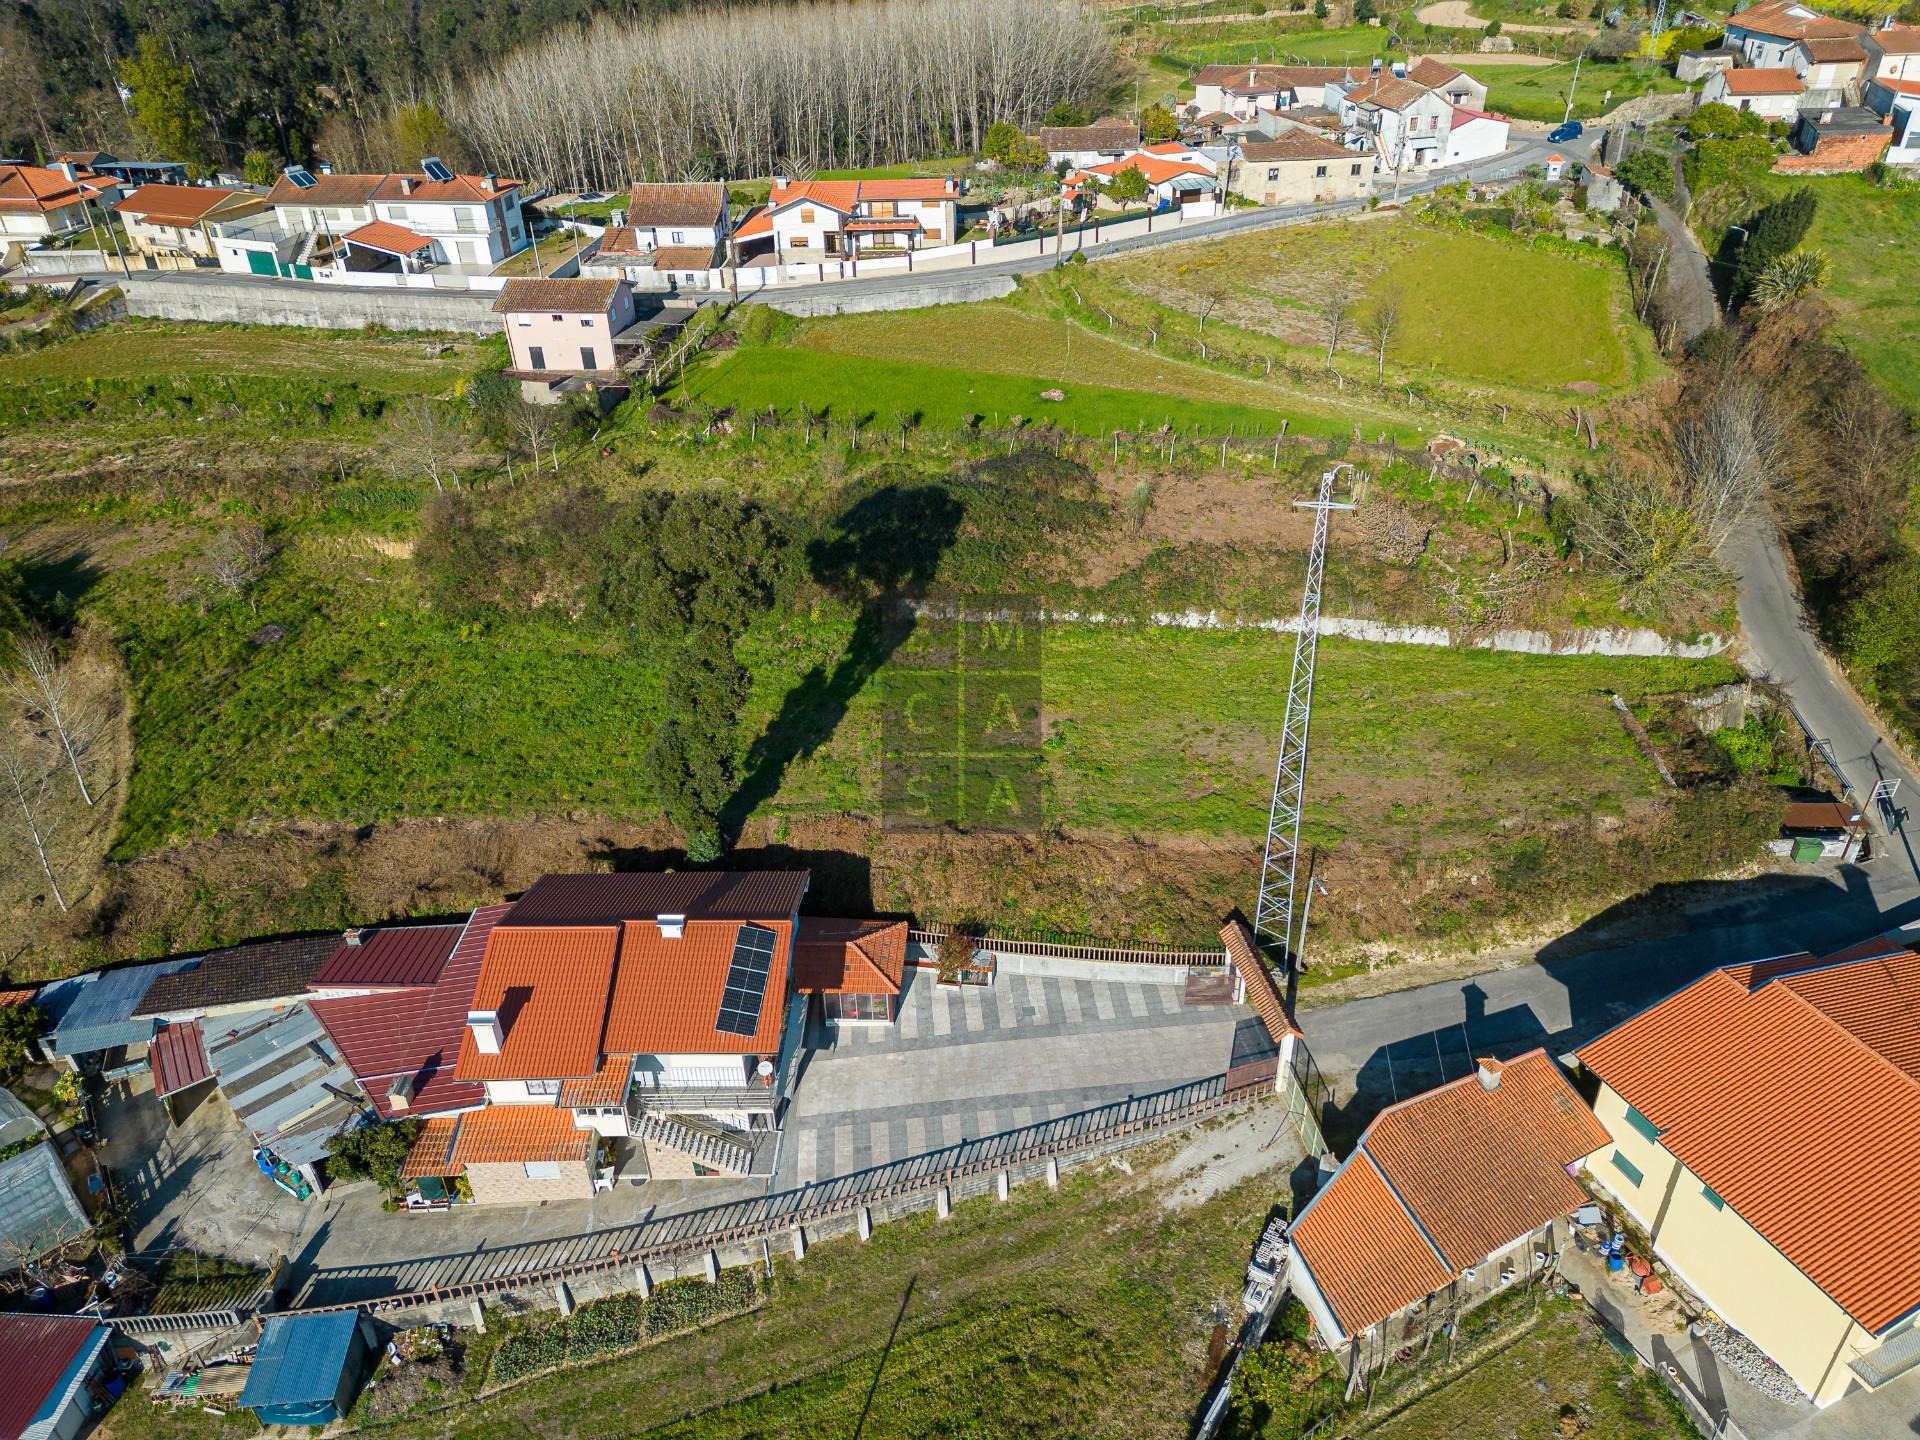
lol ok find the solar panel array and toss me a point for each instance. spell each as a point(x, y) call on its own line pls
point(746, 989)
point(436, 168)
point(301, 176)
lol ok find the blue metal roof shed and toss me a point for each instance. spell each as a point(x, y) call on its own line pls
point(308, 1368)
point(95, 1011)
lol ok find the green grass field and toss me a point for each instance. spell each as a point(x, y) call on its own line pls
point(1473, 308)
point(143, 348)
point(1539, 92)
point(1237, 42)
point(1873, 238)
point(751, 379)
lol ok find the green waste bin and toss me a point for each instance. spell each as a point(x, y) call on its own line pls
point(1806, 849)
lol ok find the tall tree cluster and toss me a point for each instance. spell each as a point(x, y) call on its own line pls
point(757, 90)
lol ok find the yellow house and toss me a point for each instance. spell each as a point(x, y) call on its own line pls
point(1764, 1128)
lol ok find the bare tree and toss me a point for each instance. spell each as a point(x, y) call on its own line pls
point(538, 425)
point(240, 558)
point(43, 684)
point(26, 782)
point(1382, 321)
point(1336, 308)
point(1733, 456)
point(1209, 302)
point(423, 440)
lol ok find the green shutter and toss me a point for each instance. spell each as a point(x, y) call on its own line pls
point(1640, 1122)
point(1713, 1199)
point(1627, 1168)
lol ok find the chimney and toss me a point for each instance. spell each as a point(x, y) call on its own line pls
point(1489, 1074)
point(70, 170)
point(489, 182)
point(406, 184)
point(325, 167)
point(952, 186)
point(352, 937)
point(1253, 77)
point(672, 927)
point(400, 1092)
point(484, 1026)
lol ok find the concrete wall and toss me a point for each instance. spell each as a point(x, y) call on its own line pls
point(293, 302)
point(960, 290)
point(1729, 1264)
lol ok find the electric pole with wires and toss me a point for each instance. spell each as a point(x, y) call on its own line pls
point(1273, 919)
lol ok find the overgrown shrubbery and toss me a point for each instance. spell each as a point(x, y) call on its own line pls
point(295, 404)
point(622, 1321)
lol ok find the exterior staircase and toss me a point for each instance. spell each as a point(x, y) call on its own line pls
point(705, 1143)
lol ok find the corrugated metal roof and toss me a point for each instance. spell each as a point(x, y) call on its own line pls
point(17, 1120)
point(179, 1057)
point(1799, 1124)
point(549, 986)
point(696, 894)
point(301, 1359)
point(38, 1209)
point(666, 993)
point(400, 955)
point(1363, 1250)
point(36, 1354)
point(284, 1080)
point(99, 1011)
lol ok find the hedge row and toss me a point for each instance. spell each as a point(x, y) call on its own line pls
point(291, 402)
point(622, 1321)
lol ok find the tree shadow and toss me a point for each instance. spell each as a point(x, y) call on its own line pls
point(881, 554)
point(56, 581)
point(841, 882)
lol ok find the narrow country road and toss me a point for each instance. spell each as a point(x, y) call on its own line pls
point(1691, 275)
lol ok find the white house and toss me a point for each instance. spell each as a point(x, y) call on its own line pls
point(1829, 66)
point(674, 237)
point(383, 222)
point(1773, 93)
point(1765, 35)
point(174, 219)
point(1898, 103)
point(843, 219)
point(1474, 135)
point(1404, 123)
point(1079, 146)
point(1245, 90)
point(1170, 180)
point(40, 203)
point(1893, 53)
point(1458, 88)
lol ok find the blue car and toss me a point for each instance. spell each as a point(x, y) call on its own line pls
point(1560, 134)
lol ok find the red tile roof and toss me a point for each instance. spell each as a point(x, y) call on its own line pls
point(400, 955)
point(1434, 73)
point(606, 1086)
point(178, 1055)
point(1833, 49)
point(653, 204)
point(1762, 82)
point(1260, 79)
point(1296, 145)
point(1442, 1181)
point(37, 189)
point(1156, 169)
point(1897, 40)
point(387, 236)
point(341, 189)
point(666, 993)
point(548, 985)
point(17, 995)
point(181, 206)
point(1389, 92)
point(497, 1135)
point(850, 957)
point(1244, 955)
point(1363, 1250)
point(643, 895)
point(35, 1351)
point(1785, 1088)
point(415, 1032)
point(757, 221)
point(1790, 20)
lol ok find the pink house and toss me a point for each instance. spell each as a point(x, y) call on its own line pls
point(562, 334)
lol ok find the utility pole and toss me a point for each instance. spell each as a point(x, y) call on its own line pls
point(1572, 86)
point(1279, 869)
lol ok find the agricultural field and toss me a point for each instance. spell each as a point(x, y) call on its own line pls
point(1086, 1311)
point(1539, 92)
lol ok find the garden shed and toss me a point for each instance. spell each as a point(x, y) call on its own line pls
point(309, 1367)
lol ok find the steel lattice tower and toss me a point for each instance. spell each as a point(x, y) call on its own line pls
point(1279, 872)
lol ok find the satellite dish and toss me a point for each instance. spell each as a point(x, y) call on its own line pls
point(763, 1069)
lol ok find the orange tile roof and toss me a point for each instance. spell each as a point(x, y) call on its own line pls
point(497, 1135)
point(1790, 20)
point(1445, 1180)
point(1363, 1250)
point(1897, 40)
point(1434, 73)
point(1156, 170)
point(666, 993)
point(177, 205)
point(1476, 1167)
point(39, 188)
point(1762, 82)
point(606, 1086)
point(385, 235)
point(548, 984)
point(841, 195)
point(1771, 1085)
point(757, 221)
point(1244, 955)
point(850, 957)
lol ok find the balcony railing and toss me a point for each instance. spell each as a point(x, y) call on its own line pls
point(699, 1099)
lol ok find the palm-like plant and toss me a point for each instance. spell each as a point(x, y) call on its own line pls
point(1790, 277)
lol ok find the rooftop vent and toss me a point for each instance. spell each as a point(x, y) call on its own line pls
point(352, 937)
point(400, 1092)
point(672, 927)
point(484, 1025)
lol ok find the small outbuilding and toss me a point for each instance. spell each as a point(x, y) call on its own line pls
point(59, 1375)
point(308, 1368)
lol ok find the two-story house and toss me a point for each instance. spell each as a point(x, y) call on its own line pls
point(1079, 146)
point(1453, 84)
point(1244, 90)
point(376, 222)
point(1764, 35)
point(1830, 67)
point(39, 203)
point(563, 329)
point(1405, 124)
point(1300, 167)
point(1764, 1128)
point(1893, 53)
point(845, 219)
point(635, 1023)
